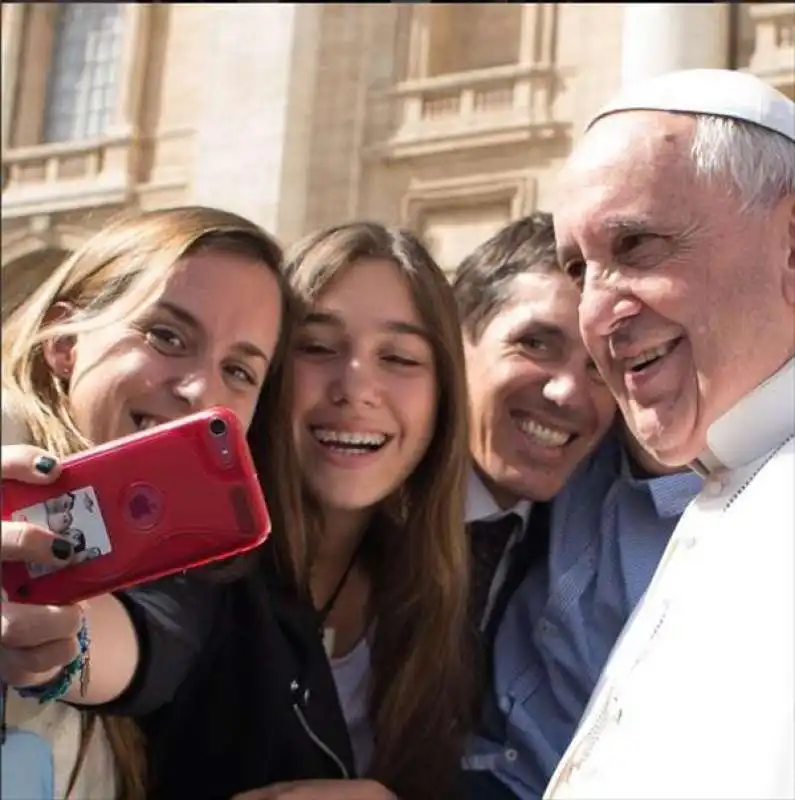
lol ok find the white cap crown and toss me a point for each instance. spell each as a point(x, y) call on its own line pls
point(716, 92)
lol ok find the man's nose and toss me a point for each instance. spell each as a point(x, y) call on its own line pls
point(604, 305)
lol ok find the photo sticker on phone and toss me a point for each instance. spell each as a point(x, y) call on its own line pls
point(75, 516)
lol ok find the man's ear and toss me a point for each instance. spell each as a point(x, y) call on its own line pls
point(59, 351)
point(789, 271)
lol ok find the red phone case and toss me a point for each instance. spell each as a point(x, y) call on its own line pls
point(152, 504)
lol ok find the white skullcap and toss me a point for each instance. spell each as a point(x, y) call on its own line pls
point(717, 92)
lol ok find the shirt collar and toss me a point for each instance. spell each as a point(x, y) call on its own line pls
point(481, 505)
point(757, 424)
point(671, 494)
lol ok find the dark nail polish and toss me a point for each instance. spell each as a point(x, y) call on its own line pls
point(45, 465)
point(62, 549)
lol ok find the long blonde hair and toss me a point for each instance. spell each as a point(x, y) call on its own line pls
point(422, 682)
point(114, 277)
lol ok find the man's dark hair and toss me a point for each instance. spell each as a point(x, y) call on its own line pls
point(482, 282)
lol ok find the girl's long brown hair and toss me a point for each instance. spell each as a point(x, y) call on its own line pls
point(421, 662)
point(116, 274)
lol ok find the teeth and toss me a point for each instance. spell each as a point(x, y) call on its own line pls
point(649, 355)
point(328, 436)
point(547, 436)
point(144, 423)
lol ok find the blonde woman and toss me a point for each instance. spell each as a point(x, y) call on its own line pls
point(159, 315)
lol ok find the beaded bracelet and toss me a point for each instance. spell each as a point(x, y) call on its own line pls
point(59, 685)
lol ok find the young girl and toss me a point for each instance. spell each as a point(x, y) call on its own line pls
point(159, 315)
point(380, 423)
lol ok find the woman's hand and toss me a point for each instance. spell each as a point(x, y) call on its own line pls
point(320, 790)
point(35, 641)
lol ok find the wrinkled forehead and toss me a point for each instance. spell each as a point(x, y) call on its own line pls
point(629, 165)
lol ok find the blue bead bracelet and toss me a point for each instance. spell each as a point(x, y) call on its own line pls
point(59, 685)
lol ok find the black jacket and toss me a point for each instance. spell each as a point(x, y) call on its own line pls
point(258, 707)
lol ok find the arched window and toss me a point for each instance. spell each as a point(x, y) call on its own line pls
point(84, 72)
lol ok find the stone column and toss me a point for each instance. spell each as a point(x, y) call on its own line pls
point(132, 58)
point(663, 37)
point(420, 33)
point(255, 92)
point(13, 29)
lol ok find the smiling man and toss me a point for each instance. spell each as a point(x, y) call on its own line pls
point(679, 221)
point(538, 404)
point(556, 581)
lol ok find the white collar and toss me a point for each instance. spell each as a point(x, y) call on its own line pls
point(757, 424)
point(481, 505)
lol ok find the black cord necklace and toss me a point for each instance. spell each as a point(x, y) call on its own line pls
point(323, 613)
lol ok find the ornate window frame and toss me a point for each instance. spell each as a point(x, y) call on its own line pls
point(518, 188)
point(109, 160)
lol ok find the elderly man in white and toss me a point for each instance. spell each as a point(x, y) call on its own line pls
point(678, 215)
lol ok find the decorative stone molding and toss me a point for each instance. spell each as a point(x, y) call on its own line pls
point(57, 177)
point(518, 189)
point(514, 191)
point(480, 108)
point(444, 106)
point(41, 234)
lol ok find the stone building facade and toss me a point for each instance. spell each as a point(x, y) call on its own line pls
point(450, 119)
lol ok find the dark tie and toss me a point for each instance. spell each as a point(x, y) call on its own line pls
point(488, 539)
point(532, 549)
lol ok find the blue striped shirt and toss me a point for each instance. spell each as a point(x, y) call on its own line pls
point(608, 533)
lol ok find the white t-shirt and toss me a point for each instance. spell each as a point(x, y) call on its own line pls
point(352, 676)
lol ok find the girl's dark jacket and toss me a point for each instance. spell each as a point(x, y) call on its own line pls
point(234, 691)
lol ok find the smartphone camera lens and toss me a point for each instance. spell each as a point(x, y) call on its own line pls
point(217, 427)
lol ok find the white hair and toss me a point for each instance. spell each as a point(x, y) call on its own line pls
point(758, 162)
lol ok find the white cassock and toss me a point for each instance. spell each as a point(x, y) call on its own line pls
point(698, 697)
